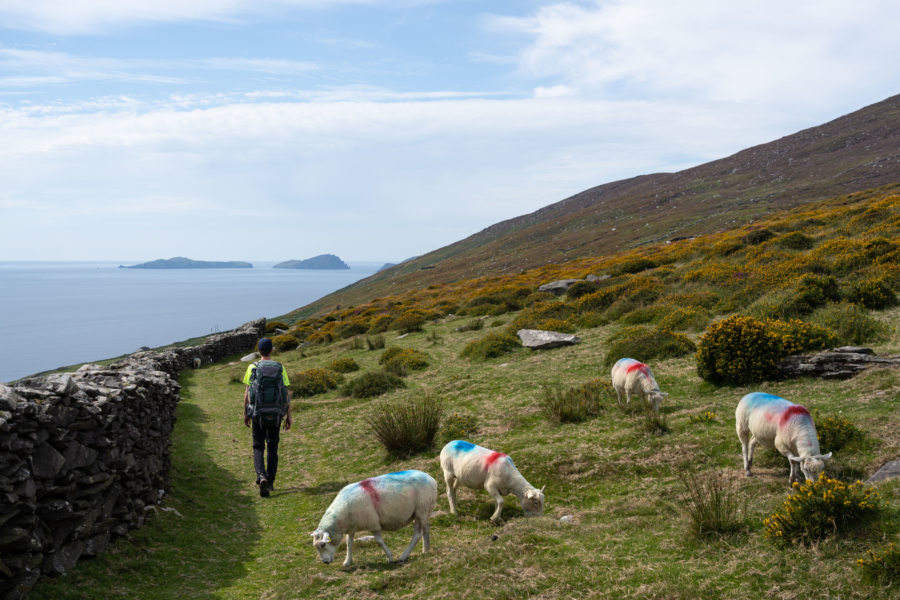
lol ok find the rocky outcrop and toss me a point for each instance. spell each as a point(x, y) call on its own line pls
point(558, 288)
point(538, 339)
point(840, 363)
point(84, 455)
point(887, 472)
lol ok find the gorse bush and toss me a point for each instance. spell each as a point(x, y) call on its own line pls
point(851, 323)
point(741, 349)
point(796, 241)
point(473, 325)
point(873, 293)
point(406, 428)
point(635, 265)
point(881, 567)
point(457, 426)
point(576, 404)
point(647, 343)
point(371, 384)
point(313, 381)
point(820, 508)
point(759, 236)
point(273, 325)
point(704, 417)
point(688, 318)
point(400, 361)
point(410, 321)
point(581, 288)
point(344, 364)
point(835, 432)
point(490, 346)
point(715, 505)
point(285, 342)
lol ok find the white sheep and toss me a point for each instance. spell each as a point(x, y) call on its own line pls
point(787, 427)
point(197, 362)
point(634, 377)
point(476, 467)
point(384, 503)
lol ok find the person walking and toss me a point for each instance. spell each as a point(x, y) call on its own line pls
point(266, 405)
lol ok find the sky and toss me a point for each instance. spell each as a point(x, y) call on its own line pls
point(379, 130)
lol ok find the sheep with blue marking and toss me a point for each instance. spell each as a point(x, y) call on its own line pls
point(479, 468)
point(384, 503)
point(634, 378)
point(781, 425)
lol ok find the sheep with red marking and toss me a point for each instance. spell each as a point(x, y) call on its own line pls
point(781, 425)
point(479, 468)
point(633, 377)
point(384, 503)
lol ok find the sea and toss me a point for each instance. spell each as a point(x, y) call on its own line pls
point(57, 314)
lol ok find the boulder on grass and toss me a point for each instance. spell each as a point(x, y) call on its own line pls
point(538, 339)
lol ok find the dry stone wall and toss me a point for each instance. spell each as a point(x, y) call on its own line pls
point(83, 455)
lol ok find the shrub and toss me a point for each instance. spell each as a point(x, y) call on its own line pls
point(646, 314)
point(819, 508)
point(351, 328)
point(757, 237)
point(473, 325)
point(401, 361)
point(872, 293)
point(405, 428)
point(372, 383)
point(714, 504)
point(490, 346)
point(646, 343)
point(797, 336)
point(538, 315)
point(882, 567)
point(577, 404)
point(795, 241)
point(835, 432)
point(688, 318)
point(596, 301)
point(457, 426)
point(410, 321)
point(704, 417)
point(380, 324)
point(344, 364)
point(285, 341)
point(581, 288)
point(635, 265)
point(319, 337)
point(313, 381)
point(375, 342)
point(851, 323)
point(273, 325)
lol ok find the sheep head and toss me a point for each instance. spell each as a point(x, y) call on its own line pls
point(533, 502)
point(324, 545)
point(811, 466)
point(656, 397)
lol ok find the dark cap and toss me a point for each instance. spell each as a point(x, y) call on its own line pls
point(265, 346)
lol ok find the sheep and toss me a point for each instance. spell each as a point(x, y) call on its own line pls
point(196, 362)
point(476, 467)
point(384, 503)
point(787, 427)
point(634, 377)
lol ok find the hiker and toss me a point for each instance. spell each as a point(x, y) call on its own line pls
point(266, 403)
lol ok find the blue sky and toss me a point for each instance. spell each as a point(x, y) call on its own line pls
point(382, 129)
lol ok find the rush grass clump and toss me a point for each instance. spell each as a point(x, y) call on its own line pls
point(820, 508)
point(851, 323)
point(409, 427)
point(457, 426)
point(490, 346)
point(400, 361)
point(575, 404)
point(713, 503)
point(371, 384)
point(647, 343)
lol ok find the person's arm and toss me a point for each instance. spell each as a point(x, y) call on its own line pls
point(246, 404)
point(287, 418)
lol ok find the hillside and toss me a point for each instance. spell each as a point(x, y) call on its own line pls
point(852, 153)
point(618, 516)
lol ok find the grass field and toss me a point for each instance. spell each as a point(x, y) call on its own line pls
point(214, 537)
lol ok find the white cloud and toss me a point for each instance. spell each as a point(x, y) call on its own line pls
point(94, 16)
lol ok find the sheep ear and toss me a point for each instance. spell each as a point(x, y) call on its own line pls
point(827, 456)
point(542, 489)
point(795, 459)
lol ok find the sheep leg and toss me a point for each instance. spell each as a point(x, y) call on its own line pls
point(627, 396)
point(380, 540)
point(745, 454)
point(795, 470)
point(750, 449)
point(451, 481)
point(417, 535)
point(349, 559)
point(426, 535)
point(498, 498)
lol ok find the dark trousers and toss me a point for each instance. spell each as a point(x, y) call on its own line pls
point(265, 438)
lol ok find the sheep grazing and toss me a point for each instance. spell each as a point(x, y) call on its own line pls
point(384, 503)
point(634, 377)
point(196, 362)
point(476, 467)
point(787, 427)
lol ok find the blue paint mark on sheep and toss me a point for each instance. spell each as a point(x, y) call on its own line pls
point(461, 446)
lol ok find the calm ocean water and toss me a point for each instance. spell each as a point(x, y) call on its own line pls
point(54, 314)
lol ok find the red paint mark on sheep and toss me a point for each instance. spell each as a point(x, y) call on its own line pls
point(492, 458)
point(790, 412)
point(369, 489)
point(638, 366)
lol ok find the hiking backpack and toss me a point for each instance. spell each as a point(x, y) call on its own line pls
point(268, 395)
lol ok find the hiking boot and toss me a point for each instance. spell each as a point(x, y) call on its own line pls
point(263, 488)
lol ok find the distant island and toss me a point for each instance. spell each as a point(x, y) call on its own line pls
point(180, 262)
point(323, 261)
